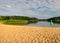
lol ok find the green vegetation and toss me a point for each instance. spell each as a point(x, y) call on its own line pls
point(17, 20)
point(22, 20)
point(54, 19)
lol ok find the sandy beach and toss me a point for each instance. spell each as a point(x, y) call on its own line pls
point(29, 34)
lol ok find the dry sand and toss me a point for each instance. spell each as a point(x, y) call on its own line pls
point(29, 34)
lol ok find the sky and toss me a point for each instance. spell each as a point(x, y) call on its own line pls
point(32, 8)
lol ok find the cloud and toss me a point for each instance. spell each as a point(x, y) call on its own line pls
point(35, 8)
point(8, 6)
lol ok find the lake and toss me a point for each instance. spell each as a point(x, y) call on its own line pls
point(44, 24)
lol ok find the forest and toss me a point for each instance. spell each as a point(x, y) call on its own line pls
point(17, 20)
point(54, 19)
point(22, 20)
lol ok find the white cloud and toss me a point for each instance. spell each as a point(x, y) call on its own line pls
point(8, 6)
point(55, 5)
point(38, 5)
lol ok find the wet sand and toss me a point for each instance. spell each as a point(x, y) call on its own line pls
point(29, 34)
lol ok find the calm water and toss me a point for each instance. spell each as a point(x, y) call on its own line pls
point(44, 24)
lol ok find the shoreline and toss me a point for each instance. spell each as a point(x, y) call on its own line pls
point(26, 26)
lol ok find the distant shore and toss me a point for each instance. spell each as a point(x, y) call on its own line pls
point(28, 34)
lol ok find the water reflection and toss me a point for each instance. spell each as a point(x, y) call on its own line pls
point(44, 24)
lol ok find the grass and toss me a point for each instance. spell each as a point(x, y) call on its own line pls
point(15, 22)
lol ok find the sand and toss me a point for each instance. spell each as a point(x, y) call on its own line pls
point(29, 34)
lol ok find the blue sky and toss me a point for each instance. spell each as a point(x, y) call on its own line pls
point(32, 8)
